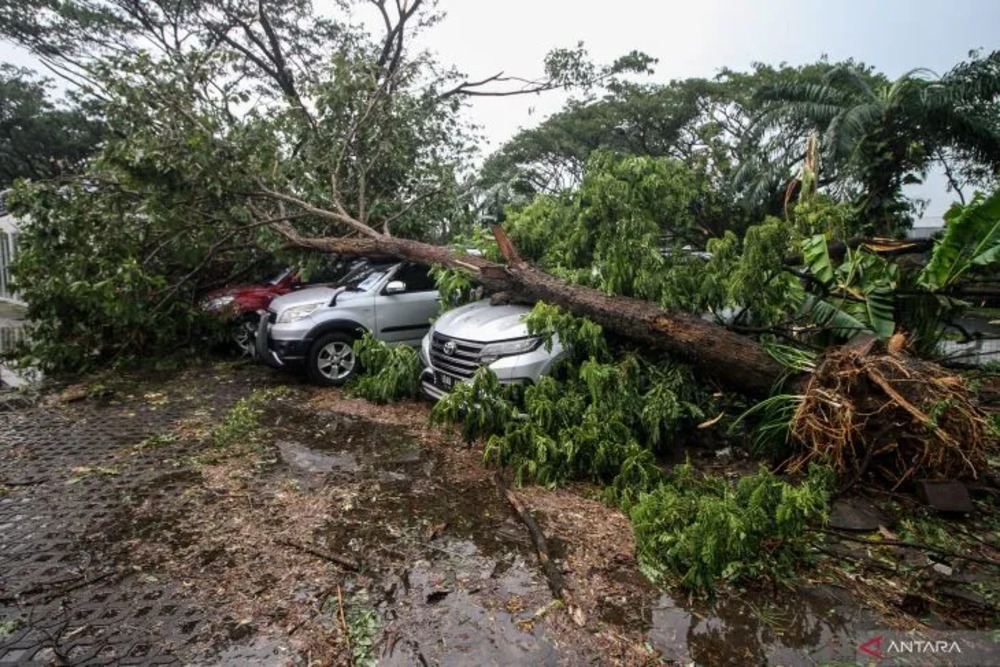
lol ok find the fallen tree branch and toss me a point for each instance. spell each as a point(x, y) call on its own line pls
point(554, 578)
point(557, 584)
point(736, 360)
point(881, 247)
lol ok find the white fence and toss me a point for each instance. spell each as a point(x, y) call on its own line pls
point(8, 251)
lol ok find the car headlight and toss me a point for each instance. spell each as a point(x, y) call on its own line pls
point(298, 312)
point(508, 348)
point(218, 303)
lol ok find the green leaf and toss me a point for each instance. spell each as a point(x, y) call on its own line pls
point(829, 316)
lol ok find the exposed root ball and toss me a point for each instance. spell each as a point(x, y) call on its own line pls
point(896, 417)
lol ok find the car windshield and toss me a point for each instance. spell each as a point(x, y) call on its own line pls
point(358, 271)
point(281, 276)
point(367, 277)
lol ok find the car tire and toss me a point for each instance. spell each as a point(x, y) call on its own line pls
point(244, 336)
point(332, 361)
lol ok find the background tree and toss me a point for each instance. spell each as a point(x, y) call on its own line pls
point(883, 135)
point(38, 139)
point(707, 124)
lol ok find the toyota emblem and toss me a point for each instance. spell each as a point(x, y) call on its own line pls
point(450, 347)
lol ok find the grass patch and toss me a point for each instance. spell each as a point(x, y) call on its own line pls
point(8, 627)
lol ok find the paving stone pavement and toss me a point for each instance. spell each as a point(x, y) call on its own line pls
point(63, 599)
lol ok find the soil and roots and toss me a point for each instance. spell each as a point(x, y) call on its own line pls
point(881, 412)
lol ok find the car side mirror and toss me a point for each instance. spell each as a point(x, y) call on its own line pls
point(395, 287)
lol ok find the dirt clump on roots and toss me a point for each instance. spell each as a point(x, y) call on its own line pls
point(869, 410)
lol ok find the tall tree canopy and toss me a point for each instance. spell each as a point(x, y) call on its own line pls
point(746, 133)
point(230, 120)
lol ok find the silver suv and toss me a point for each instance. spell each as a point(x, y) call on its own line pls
point(316, 327)
point(481, 334)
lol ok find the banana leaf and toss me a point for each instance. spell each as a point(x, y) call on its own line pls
point(838, 321)
point(971, 239)
point(817, 257)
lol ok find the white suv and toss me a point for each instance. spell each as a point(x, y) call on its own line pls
point(481, 334)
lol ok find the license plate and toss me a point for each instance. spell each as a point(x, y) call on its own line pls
point(445, 381)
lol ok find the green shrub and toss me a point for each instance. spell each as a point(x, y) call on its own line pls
point(390, 373)
point(704, 528)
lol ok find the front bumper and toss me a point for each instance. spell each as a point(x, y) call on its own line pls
point(520, 369)
point(433, 389)
point(278, 353)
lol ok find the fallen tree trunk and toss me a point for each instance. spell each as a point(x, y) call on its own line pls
point(840, 420)
point(713, 350)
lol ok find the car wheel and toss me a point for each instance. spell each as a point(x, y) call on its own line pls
point(332, 360)
point(244, 335)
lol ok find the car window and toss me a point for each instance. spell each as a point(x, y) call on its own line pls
point(417, 278)
point(281, 276)
point(326, 273)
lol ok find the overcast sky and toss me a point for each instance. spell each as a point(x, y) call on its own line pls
point(695, 39)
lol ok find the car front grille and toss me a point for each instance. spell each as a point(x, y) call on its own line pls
point(461, 363)
point(272, 317)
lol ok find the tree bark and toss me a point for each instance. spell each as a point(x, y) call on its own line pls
point(712, 350)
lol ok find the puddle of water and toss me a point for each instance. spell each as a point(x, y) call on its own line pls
point(302, 458)
point(816, 626)
point(455, 569)
point(441, 618)
point(261, 651)
point(404, 492)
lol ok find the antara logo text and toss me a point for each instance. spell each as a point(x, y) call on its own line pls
point(877, 648)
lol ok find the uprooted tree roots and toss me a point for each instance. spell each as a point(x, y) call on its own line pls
point(894, 416)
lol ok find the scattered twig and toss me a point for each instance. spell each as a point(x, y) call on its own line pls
point(81, 584)
point(539, 614)
point(33, 482)
point(910, 545)
point(342, 561)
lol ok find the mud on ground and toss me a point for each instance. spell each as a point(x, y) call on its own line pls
point(332, 531)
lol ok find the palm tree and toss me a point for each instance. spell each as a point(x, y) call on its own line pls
point(879, 135)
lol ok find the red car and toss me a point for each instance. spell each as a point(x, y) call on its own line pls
point(241, 303)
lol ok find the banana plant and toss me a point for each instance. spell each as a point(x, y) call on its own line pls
point(857, 294)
